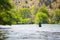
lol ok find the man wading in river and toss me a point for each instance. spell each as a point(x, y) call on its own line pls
point(39, 24)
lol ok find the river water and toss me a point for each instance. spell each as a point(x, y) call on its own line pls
point(27, 32)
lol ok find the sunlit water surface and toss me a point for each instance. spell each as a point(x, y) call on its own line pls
point(29, 32)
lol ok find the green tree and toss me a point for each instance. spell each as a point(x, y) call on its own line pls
point(43, 9)
point(41, 17)
point(25, 14)
point(5, 6)
point(57, 16)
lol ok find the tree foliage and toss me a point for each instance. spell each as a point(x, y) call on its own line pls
point(43, 9)
point(5, 5)
point(41, 17)
point(43, 14)
point(25, 15)
point(57, 16)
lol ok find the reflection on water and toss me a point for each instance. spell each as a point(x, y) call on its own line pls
point(27, 33)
